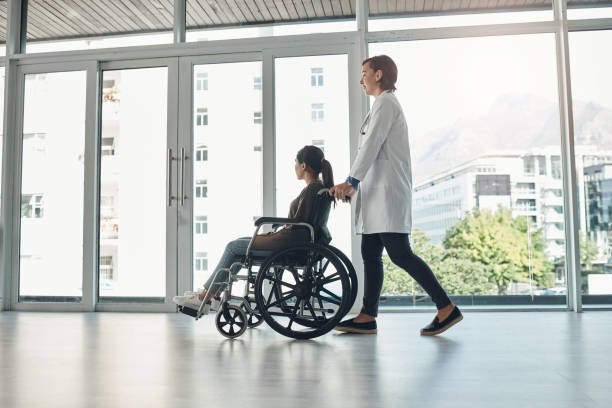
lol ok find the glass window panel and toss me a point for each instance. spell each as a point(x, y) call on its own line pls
point(588, 13)
point(228, 33)
point(78, 25)
point(133, 211)
point(386, 22)
point(591, 64)
point(477, 134)
point(455, 7)
point(226, 214)
point(297, 124)
point(51, 243)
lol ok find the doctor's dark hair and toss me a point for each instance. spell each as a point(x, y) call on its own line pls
point(388, 68)
point(317, 163)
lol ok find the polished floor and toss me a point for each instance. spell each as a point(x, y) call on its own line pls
point(508, 359)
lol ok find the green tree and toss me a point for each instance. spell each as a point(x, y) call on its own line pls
point(588, 251)
point(457, 274)
point(510, 249)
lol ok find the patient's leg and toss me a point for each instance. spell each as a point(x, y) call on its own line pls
point(234, 251)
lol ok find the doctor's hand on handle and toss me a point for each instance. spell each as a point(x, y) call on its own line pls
point(343, 191)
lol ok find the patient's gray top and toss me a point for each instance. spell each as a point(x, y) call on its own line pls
point(299, 209)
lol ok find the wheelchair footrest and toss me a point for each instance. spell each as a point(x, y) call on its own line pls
point(214, 306)
point(188, 311)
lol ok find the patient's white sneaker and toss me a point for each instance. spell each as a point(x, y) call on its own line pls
point(191, 301)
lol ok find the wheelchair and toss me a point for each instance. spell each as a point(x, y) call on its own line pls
point(301, 291)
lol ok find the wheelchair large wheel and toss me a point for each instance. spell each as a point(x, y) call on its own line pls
point(348, 265)
point(352, 275)
point(303, 292)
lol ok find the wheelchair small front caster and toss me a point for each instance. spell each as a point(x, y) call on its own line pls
point(254, 319)
point(231, 321)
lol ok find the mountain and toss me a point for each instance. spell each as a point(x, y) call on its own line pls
point(513, 122)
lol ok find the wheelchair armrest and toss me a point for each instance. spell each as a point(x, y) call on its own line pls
point(275, 220)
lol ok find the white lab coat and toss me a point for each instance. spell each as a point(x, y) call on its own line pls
point(384, 197)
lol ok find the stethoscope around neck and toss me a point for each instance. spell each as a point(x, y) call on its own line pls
point(365, 123)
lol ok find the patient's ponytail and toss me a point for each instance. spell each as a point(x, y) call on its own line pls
point(327, 173)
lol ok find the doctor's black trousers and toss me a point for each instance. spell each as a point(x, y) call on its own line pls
point(399, 251)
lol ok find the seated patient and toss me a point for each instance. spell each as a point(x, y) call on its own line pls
point(309, 163)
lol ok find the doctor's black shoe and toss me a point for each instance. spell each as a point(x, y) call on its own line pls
point(349, 326)
point(435, 327)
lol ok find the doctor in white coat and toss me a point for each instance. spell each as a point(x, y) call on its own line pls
point(381, 178)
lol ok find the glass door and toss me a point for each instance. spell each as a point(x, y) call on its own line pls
point(52, 187)
point(139, 183)
point(97, 187)
point(222, 122)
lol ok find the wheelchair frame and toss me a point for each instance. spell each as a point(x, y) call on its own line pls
point(248, 263)
point(245, 311)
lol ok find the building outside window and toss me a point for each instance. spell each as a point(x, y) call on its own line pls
point(555, 167)
point(541, 165)
point(257, 83)
point(106, 268)
point(201, 224)
point(526, 188)
point(202, 117)
point(318, 113)
point(32, 206)
point(257, 119)
point(202, 81)
point(202, 153)
point(201, 261)
point(107, 205)
point(523, 204)
point(201, 188)
point(316, 77)
point(108, 146)
point(34, 141)
point(320, 143)
point(529, 166)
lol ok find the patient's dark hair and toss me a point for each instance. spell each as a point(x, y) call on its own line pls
point(316, 161)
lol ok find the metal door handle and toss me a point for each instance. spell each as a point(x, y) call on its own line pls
point(182, 185)
point(169, 178)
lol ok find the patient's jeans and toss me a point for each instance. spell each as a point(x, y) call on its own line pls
point(234, 251)
point(398, 249)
